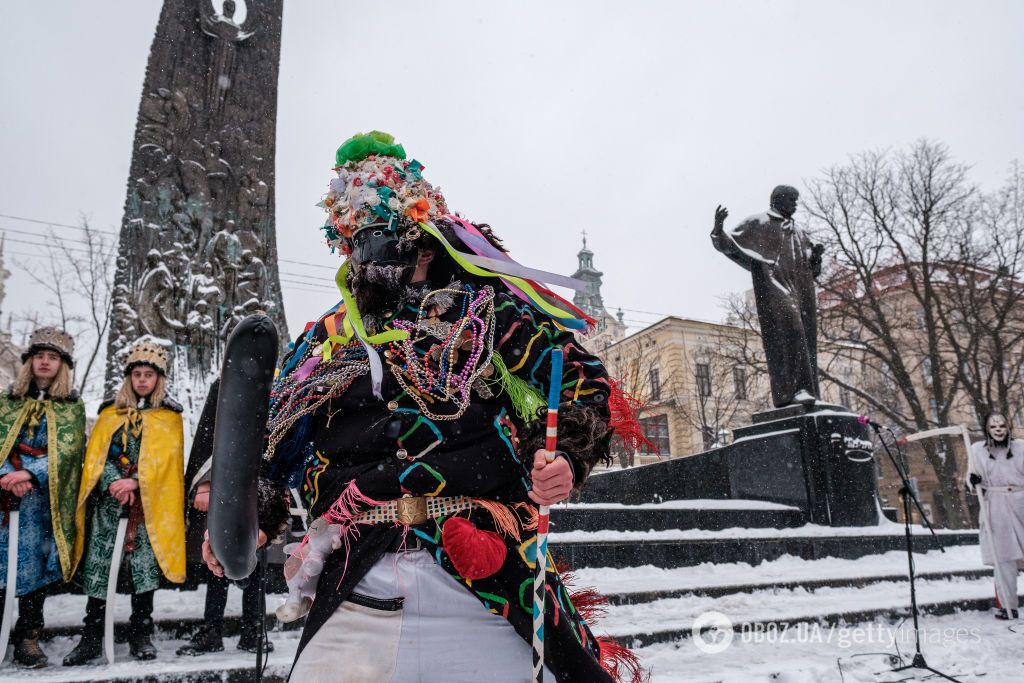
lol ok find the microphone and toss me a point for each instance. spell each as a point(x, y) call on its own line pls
point(865, 420)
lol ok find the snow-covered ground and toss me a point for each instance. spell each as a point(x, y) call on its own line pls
point(970, 646)
point(967, 645)
point(278, 662)
point(168, 605)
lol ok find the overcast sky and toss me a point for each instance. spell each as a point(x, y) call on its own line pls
point(631, 120)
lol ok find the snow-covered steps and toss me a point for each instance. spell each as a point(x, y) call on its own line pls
point(674, 618)
point(712, 515)
point(174, 611)
point(688, 547)
point(972, 647)
point(636, 585)
point(636, 598)
point(653, 604)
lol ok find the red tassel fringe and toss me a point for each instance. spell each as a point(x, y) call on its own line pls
point(590, 604)
point(620, 662)
point(624, 421)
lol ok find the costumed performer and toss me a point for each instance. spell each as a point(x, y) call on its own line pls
point(412, 415)
point(42, 428)
point(997, 469)
point(134, 459)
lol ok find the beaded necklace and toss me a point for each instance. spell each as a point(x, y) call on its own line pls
point(438, 374)
point(291, 399)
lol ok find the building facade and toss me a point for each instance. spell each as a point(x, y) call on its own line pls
point(693, 379)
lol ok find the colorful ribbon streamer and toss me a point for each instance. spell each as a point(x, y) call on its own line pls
point(559, 310)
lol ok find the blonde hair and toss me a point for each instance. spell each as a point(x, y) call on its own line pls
point(60, 388)
point(127, 398)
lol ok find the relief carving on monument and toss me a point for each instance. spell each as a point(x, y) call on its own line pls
point(198, 237)
point(227, 32)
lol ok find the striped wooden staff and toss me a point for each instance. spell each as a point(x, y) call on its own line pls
point(541, 545)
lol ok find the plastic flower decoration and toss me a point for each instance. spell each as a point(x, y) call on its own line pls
point(376, 184)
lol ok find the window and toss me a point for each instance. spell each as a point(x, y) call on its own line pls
point(702, 373)
point(739, 383)
point(656, 430)
point(654, 379)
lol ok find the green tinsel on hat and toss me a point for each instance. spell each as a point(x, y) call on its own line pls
point(362, 145)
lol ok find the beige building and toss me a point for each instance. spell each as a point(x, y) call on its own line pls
point(693, 379)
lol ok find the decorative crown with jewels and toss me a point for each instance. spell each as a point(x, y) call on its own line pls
point(146, 352)
point(51, 339)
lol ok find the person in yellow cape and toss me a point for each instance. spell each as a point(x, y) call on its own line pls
point(42, 432)
point(134, 458)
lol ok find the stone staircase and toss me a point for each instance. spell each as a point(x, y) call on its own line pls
point(689, 532)
point(660, 564)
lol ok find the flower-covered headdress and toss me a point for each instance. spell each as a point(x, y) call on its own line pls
point(376, 185)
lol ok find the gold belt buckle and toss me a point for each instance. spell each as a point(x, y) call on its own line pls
point(411, 510)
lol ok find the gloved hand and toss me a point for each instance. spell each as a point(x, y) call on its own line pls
point(975, 479)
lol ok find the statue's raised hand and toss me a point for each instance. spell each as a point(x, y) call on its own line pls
point(721, 213)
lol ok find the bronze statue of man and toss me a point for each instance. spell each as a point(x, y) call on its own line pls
point(783, 263)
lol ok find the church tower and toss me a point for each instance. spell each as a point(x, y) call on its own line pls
point(589, 300)
point(609, 329)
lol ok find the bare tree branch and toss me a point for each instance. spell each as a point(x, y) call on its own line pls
point(77, 273)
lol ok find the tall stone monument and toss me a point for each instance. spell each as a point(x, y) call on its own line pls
point(197, 248)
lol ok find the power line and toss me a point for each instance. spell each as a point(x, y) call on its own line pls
point(36, 234)
point(20, 253)
point(51, 223)
point(305, 263)
point(37, 244)
point(316, 279)
point(319, 279)
point(280, 260)
point(108, 232)
point(309, 285)
point(633, 310)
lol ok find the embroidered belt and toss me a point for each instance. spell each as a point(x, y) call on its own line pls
point(412, 510)
point(1003, 489)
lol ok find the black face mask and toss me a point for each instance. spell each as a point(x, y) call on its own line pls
point(381, 245)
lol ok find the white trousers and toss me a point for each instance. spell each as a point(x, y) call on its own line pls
point(1005, 574)
point(434, 631)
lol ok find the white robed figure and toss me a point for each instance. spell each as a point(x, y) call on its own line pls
point(997, 469)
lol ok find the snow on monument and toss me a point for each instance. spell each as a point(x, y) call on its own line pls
point(197, 249)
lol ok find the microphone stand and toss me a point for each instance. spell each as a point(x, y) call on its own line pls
point(907, 495)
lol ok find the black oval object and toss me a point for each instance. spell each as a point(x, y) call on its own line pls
point(250, 357)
